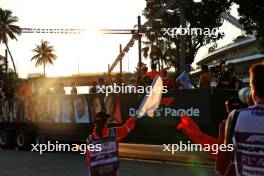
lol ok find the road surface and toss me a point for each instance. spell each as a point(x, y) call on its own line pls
point(25, 163)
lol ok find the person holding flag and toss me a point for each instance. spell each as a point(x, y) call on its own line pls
point(192, 130)
point(105, 162)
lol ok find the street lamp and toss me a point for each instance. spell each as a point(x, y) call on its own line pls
point(182, 37)
point(170, 11)
point(158, 20)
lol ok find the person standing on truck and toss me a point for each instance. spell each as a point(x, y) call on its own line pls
point(73, 89)
point(153, 73)
point(100, 86)
point(184, 78)
point(224, 77)
point(205, 77)
point(26, 90)
point(9, 97)
point(167, 79)
point(105, 161)
point(60, 89)
point(29, 103)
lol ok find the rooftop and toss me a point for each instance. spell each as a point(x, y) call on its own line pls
point(225, 48)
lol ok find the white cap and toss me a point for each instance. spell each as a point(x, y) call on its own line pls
point(244, 95)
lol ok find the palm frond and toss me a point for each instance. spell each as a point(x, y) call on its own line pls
point(44, 54)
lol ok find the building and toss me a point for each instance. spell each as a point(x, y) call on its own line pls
point(242, 53)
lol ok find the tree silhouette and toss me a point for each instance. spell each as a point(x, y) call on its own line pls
point(44, 55)
point(166, 48)
point(8, 30)
point(251, 16)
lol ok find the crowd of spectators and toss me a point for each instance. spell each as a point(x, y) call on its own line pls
point(24, 99)
point(19, 104)
point(222, 77)
point(243, 122)
point(7, 95)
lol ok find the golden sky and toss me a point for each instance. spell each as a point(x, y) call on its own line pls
point(92, 51)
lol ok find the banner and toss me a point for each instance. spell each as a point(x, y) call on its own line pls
point(197, 104)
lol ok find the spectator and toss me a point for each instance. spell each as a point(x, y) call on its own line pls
point(234, 83)
point(153, 73)
point(234, 103)
point(184, 78)
point(100, 86)
point(27, 100)
point(133, 81)
point(144, 71)
point(93, 88)
point(1, 103)
point(18, 108)
point(26, 90)
point(225, 77)
point(167, 80)
point(73, 89)
point(9, 96)
point(119, 79)
point(140, 78)
point(245, 129)
point(60, 89)
point(5, 109)
point(147, 81)
point(205, 77)
point(29, 109)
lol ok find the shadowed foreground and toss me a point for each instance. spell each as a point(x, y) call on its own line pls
point(13, 163)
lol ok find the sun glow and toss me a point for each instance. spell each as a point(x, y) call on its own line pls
point(90, 51)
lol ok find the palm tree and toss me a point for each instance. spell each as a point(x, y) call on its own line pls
point(8, 30)
point(44, 55)
point(3, 69)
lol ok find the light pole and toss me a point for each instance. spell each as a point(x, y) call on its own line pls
point(182, 37)
point(120, 50)
point(139, 47)
point(6, 62)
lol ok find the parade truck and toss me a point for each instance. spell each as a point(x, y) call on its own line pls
point(37, 119)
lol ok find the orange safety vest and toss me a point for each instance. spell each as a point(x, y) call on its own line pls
point(104, 162)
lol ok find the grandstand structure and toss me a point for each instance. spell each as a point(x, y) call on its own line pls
point(241, 53)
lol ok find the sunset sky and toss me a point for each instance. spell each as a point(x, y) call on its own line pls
point(92, 51)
